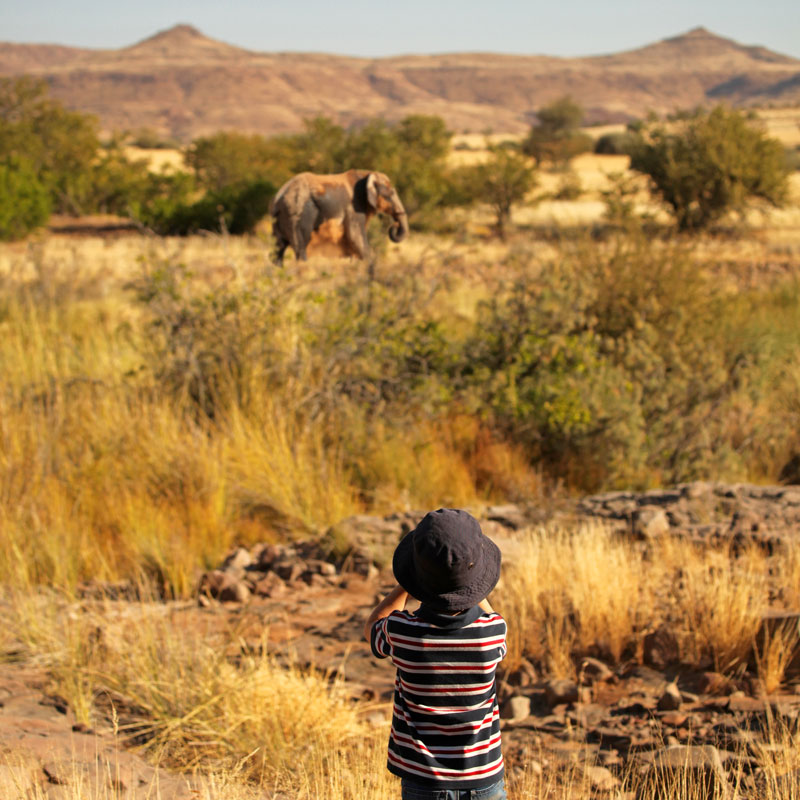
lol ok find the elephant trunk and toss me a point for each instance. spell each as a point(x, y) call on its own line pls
point(399, 230)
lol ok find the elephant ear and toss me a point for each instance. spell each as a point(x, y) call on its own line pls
point(372, 190)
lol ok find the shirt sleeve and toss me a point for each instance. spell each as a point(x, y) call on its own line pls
point(379, 638)
point(504, 645)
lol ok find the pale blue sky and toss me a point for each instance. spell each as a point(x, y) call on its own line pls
point(378, 27)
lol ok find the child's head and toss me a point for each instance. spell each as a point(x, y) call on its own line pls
point(446, 561)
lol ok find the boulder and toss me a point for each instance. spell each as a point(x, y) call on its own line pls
point(671, 698)
point(661, 648)
point(516, 708)
point(650, 522)
point(561, 691)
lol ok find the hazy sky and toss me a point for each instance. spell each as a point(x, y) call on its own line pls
point(388, 27)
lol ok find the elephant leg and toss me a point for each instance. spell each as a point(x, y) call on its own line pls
point(302, 229)
point(280, 249)
point(355, 229)
point(281, 242)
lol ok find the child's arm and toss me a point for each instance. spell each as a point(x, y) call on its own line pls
point(485, 606)
point(394, 601)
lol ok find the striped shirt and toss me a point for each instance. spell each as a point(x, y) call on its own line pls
point(446, 723)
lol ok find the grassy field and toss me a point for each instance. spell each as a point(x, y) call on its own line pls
point(165, 399)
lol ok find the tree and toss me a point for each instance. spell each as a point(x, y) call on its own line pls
point(229, 159)
point(706, 164)
point(59, 145)
point(557, 137)
point(24, 200)
point(503, 181)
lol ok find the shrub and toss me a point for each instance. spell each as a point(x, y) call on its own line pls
point(620, 143)
point(591, 360)
point(235, 209)
point(60, 145)
point(505, 180)
point(24, 200)
point(229, 159)
point(557, 137)
point(706, 164)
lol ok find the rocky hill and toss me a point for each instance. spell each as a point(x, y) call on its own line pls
point(185, 84)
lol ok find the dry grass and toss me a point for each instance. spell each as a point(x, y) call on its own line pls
point(584, 590)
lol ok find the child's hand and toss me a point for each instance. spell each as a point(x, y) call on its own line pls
point(394, 601)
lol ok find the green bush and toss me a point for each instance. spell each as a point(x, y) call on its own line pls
point(24, 200)
point(60, 145)
point(557, 137)
point(620, 143)
point(707, 164)
point(503, 181)
point(604, 365)
point(235, 209)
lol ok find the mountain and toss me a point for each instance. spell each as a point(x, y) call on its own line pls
point(183, 83)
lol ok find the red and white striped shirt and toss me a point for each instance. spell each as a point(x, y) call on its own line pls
point(446, 723)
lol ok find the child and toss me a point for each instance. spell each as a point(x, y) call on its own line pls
point(445, 739)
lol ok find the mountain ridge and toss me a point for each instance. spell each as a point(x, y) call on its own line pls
point(183, 83)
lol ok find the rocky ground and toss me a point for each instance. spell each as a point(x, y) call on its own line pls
point(654, 717)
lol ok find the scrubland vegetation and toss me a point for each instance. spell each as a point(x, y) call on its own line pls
point(153, 417)
point(166, 398)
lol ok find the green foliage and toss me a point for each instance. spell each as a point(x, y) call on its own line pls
point(24, 200)
point(707, 164)
point(412, 153)
point(230, 159)
point(233, 209)
point(620, 143)
point(557, 138)
point(503, 181)
point(162, 195)
point(60, 145)
point(603, 364)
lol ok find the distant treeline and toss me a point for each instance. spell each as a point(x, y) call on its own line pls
point(53, 160)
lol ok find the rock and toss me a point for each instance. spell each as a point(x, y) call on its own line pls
point(509, 516)
point(235, 592)
point(661, 648)
point(516, 708)
point(601, 779)
point(268, 554)
point(714, 683)
point(374, 537)
point(212, 583)
point(289, 571)
point(671, 699)
point(560, 691)
point(524, 675)
point(594, 670)
point(237, 561)
point(222, 586)
point(271, 585)
point(650, 522)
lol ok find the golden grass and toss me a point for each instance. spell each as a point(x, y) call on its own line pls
point(197, 701)
point(582, 590)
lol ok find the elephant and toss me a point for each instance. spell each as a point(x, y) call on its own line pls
point(329, 213)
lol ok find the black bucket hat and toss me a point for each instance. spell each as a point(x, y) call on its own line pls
point(446, 561)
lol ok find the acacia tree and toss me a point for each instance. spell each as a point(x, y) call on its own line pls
point(503, 181)
point(706, 164)
point(557, 136)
